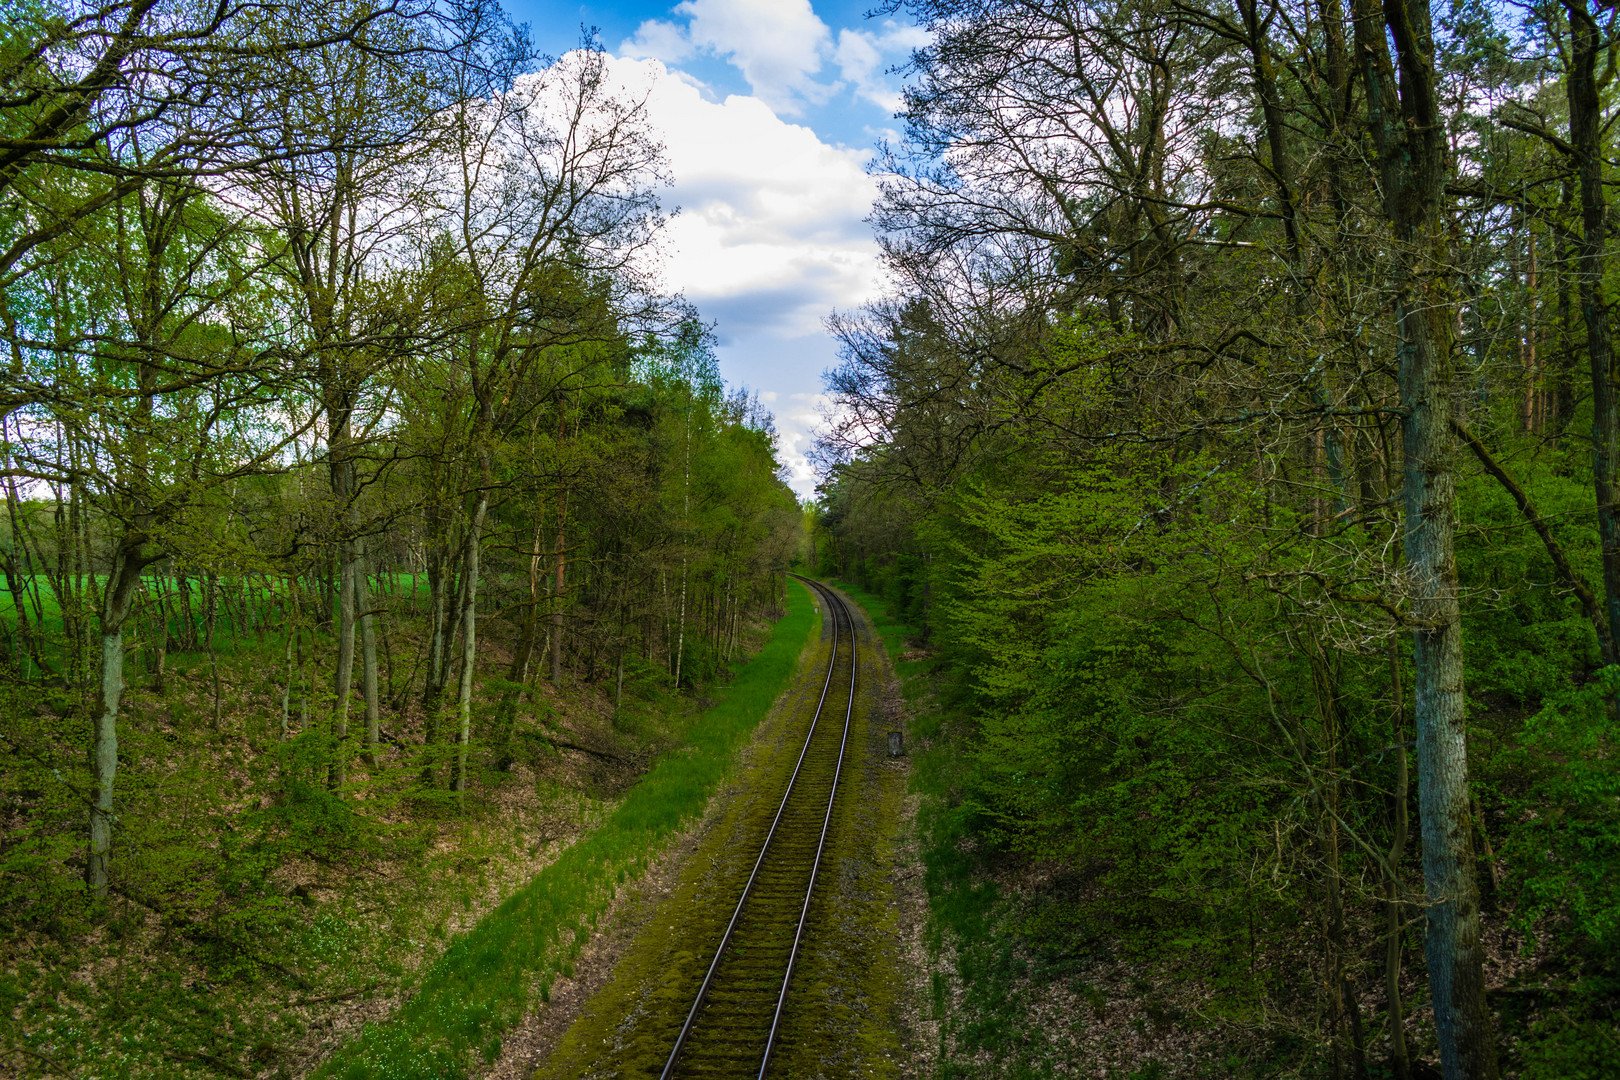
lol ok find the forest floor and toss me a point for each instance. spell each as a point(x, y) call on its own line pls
point(256, 926)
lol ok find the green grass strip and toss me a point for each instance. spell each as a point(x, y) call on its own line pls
point(893, 632)
point(483, 983)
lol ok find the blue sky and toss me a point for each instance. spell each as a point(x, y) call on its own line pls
point(845, 116)
point(770, 111)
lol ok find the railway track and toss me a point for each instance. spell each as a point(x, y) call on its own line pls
point(735, 1018)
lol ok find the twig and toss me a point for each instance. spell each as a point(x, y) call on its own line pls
point(345, 996)
point(208, 1059)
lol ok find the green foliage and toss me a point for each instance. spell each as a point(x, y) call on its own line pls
point(1525, 635)
point(1138, 709)
point(1006, 950)
point(1561, 791)
point(1562, 1048)
point(1175, 516)
point(304, 815)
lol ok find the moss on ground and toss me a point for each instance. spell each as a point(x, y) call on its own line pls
point(843, 1017)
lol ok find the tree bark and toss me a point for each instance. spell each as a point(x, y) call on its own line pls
point(1534, 408)
point(368, 652)
point(522, 658)
point(686, 514)
point(469, 642)
point(1400, 1061)
point(188, 620)
point(129, 559)
point(1410, 138)
point(557, 592)
point(438, 662)
point(343, 678)
point(519, 671)
point(1585, 136)
point(286, 691)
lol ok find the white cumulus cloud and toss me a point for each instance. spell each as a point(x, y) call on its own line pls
point(864, 57)
point(778, 45)
point(861, 63)
point(659, 39)
point(771, 232)
point(770, 237)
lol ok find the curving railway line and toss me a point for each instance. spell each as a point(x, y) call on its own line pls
point(735, 1018)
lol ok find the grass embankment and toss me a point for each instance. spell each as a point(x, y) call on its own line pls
point(488, 978)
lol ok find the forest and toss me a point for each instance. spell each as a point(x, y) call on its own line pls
point(1237, 444)
point(356, 460)
point(1230, 465)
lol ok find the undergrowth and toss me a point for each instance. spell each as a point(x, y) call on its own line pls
point(967, 912)
point(1006, 985)
point(1031, 961)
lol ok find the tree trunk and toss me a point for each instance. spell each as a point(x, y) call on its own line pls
point(686, 524)
point(557, 591)
point(469, 642)
point(680, 640)
point(368, 652)
point(343, 678)
point(1346, 1010)
point(210, 619)
point(433, 680)
point(618, 681)
point(1400, 1061)
point(1410, 139)
point(1455, 956)
point(1563, 407)
point(286, 691)
point(117, 600)
point(1585, 118)
point(522, 657)
point(1534, 396)
point(519, 671)
point(438, 662)
point(188, 621)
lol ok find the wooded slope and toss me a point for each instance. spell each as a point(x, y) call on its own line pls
point(355, 464)
point(1241, 430)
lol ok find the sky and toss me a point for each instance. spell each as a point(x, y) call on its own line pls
point(770, 111)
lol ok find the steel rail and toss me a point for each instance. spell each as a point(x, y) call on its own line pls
point(821, 844)
point(835, 607)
